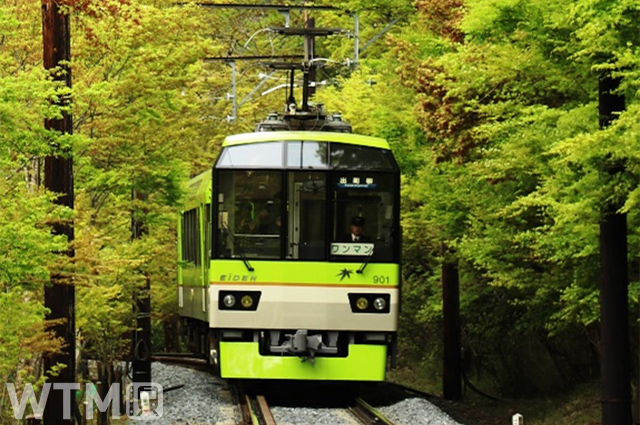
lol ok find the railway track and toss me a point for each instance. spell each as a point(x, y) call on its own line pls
point(255, 410)
point(251, 403)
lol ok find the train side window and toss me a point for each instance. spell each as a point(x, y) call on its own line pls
point(191, 237)
point(207, 233)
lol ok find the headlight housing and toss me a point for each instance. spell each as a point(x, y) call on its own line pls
point(370, 303)
point(238, 300)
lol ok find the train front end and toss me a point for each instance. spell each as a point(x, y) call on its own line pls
point(304, 242)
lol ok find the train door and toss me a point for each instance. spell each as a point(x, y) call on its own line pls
point(307, 215)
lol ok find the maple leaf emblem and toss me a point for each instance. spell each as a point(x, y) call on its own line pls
point(345, 273)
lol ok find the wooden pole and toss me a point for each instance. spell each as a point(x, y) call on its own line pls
point(142, 335)
point(59, 295)
point(614, 311)
point(452, 363)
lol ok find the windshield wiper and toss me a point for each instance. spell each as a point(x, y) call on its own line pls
point(366, 262)
point(243, 257)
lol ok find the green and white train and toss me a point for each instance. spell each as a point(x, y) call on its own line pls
point(268, 286)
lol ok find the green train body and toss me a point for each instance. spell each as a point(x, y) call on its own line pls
point(269, 286)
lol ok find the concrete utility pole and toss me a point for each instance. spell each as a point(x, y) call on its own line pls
point(614, 311)
point(59, 296)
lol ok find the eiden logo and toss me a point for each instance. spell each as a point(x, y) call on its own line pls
point(237, 278)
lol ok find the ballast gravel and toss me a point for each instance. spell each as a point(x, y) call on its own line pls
point(307, 416)
point(203, 400)
point(416, 411)
point(206, 400)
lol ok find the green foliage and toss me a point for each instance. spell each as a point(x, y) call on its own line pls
point(25, 261)
point(106, 277)
point(27, 247)
point(380, 7)
point(23, 340)
point(490, 108)
point(605, 29)
point(140, 98)
point(518, 174)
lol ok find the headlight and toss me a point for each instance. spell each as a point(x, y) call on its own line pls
point(229, 301)
point(246, 301)
point(238, 300)
point(362, 303)
point(370, 303)
point(379, 304)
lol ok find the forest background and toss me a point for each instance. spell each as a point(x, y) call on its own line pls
point(490, 107)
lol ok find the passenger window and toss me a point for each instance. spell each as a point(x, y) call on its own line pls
point(191, 237)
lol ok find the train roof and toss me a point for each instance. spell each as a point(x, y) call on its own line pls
point(322, 136)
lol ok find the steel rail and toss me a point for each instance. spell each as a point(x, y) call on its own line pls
point(265, 411)
point(185, 360)
point(253, 409)
point(367, 414)
point(245, 416)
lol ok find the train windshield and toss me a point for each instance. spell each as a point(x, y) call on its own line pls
point(364, 210)
point(306, 154)
point(249, 206)
point(311, 208)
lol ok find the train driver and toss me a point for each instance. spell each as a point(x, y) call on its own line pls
point(356, 229)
